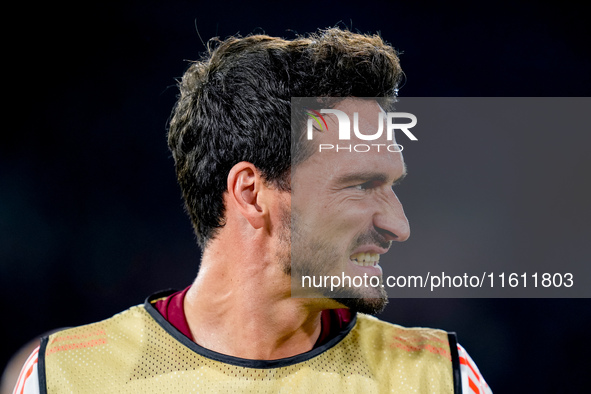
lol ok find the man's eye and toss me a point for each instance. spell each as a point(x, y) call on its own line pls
point(365, 186)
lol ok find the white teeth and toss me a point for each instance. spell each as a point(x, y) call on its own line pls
point(365, 259)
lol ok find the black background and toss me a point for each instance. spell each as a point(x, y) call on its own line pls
point(91, 219)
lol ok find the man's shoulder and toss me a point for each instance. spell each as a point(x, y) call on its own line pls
point(420, 354)
point(401, 333)
point(433, 345)
point(97, 333)
point(436, 343)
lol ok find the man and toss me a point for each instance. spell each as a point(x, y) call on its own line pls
point(262, 215)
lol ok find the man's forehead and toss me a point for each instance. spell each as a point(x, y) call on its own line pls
point(347, 167)
point(354, 153)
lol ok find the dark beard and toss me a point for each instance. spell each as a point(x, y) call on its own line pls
point(370, 306)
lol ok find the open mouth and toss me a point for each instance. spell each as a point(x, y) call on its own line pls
point(365, 259)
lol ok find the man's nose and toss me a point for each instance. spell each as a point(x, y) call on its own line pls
point(390, 221)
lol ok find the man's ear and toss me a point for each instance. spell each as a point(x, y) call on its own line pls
point(245, 185)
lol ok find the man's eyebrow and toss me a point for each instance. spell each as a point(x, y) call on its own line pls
point(367, 176)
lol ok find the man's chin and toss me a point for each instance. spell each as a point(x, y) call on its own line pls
point(370, 306)
point(372, 302)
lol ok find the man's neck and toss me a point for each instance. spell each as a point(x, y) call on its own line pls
point(244, 309)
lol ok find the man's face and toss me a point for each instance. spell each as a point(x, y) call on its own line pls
point(345, 213)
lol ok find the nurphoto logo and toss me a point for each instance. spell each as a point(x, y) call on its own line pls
point(316, 120)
